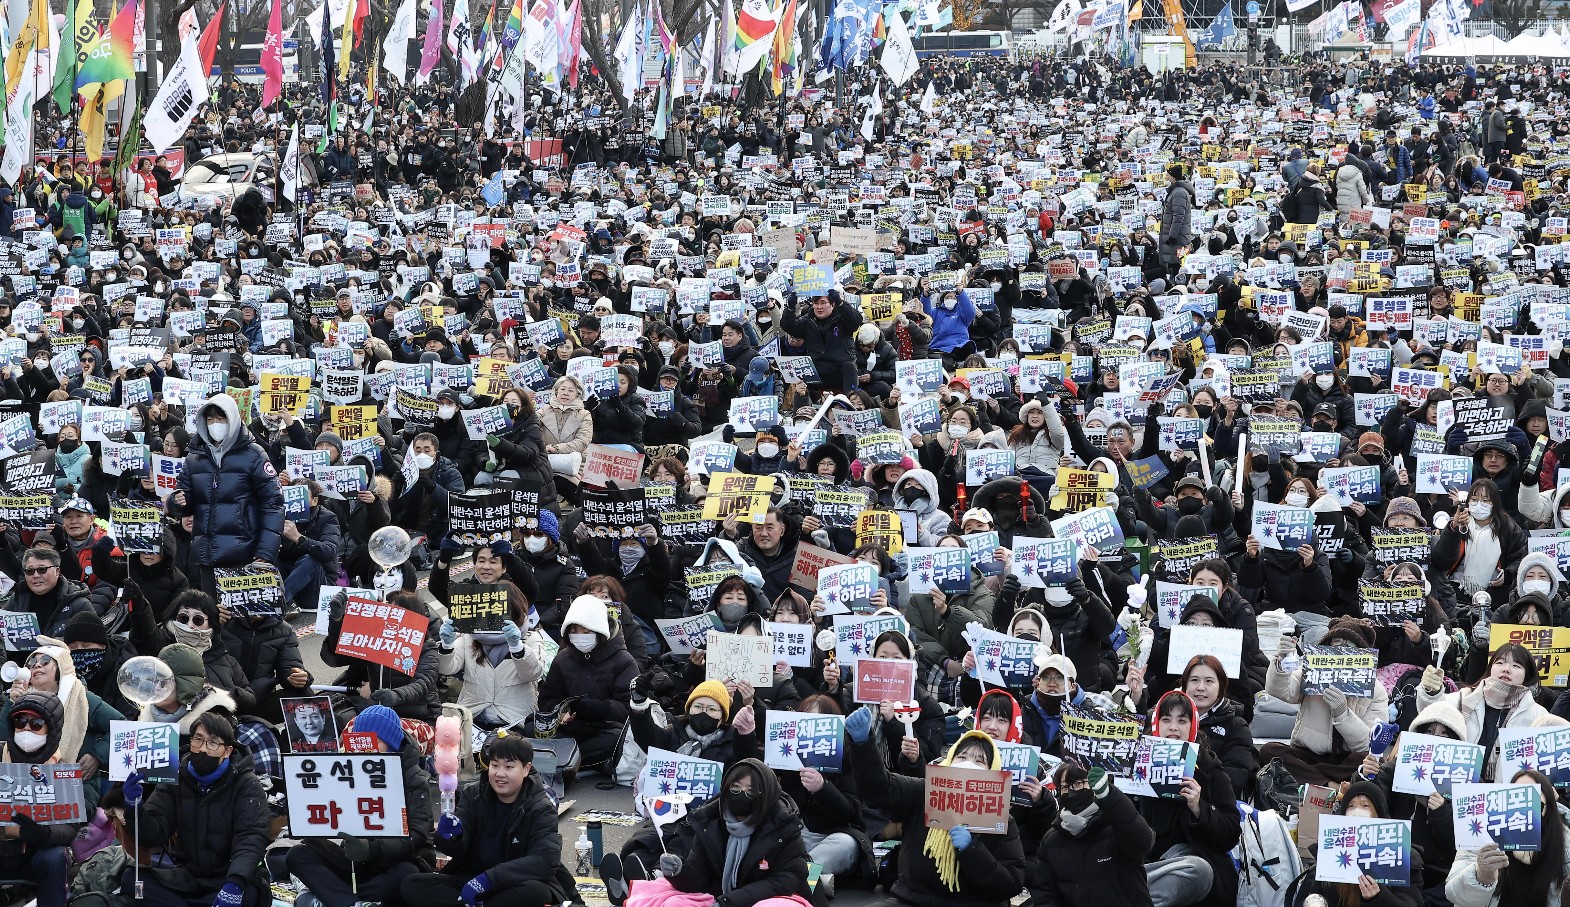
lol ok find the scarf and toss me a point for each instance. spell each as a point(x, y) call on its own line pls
point(200, 640)
point(1502, 695)
point(494, 645)
point(739, 837)
point(88, 661)
point(1075, 823)
point(695, 744)
point(206, 781)
point(903, 343)
point(629, 558)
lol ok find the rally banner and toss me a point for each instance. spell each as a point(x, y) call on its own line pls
point(793, 741)
point(1507, 815)
point(1426, 764)
point(1349, 670)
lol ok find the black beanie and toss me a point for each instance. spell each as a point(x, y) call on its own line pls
point(85, 627)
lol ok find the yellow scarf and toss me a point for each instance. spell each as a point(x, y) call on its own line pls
point(940, 846)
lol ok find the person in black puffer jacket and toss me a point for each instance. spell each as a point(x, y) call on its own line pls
point(269, 653)
point(1080, 620)
point(197, 631)
point(591, 681)
point(620, 419)
point(453, 439)
point(555, 571)
point(752, 811)
point(212, 823)
point(680, 425)
point(831, 811)
point(98, 657)
point(232, 489)
point(154, 582)
point(363, 518)
point(521, 450)
point(644, 582)
point(411, 696)
point(1094, 856)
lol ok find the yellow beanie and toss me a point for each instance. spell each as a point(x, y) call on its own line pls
point(715, 691)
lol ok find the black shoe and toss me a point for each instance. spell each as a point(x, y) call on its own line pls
point(633, 871)
point(611, 875)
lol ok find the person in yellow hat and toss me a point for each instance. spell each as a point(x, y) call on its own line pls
point(704, 729)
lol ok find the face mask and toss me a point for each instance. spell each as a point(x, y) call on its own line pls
point(667, 349)
point(28, 741)
point(912, 493)
point(1284, 259)
point(1204, 410)
point(424, 461)
point(742, 803)
point(1190, 505)
point(205, 764)
point(1058, 596)
point(768, 451)
point(966, 763)
point(535, 544)
point(78, 323)
point(219, 431)
point(69, 446)
point(87, 661)
point(950, 303)
point(1537, 585)
point(1480, 510)
point(1296, 499)
point(189, 635)
point(447, 412)
point(703, 724)
point(583, 642)
point(630, 555)
point(1361, 812)
point(732, 612)
point(1076, 801)
point(1324, 427)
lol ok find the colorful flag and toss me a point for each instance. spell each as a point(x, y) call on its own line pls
point(574, 41)
point(109, 58)
point(33, 35)
point(65, 71)
point(431, 53)
point(784, 59)
point(755, 25)
point(272, 56)
point(513, 30)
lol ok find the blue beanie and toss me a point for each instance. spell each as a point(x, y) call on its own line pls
point(383, 722)
point(549, 525)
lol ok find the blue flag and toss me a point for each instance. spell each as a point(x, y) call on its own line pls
point(329, 83)
point(494, 192)
point(1221, 28)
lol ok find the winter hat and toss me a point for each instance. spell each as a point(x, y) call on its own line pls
point(589, 612)
point(1359, 633)
point(939, 846)
point(549, 525)
point(715, 691)
point(1059, 663)
point(1404, 506)
point(189, 672)
point(907, 649)
point(85, 627)
point(383, 722)
point(1374, 793)
point(1370, 437)
point(48, 707)
point(331, 437)
point(1198, 603)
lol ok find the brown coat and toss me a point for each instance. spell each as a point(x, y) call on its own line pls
point(569, 428)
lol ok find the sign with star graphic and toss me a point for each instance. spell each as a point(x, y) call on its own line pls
point(945, 569)
point(1282, 528)
point(855, 634)
point(794, 741)
point(1160, 765)
point(1172, 598)
point(1351, 847)
point(1003, 661)
point(1545, 750)
point(144, 746)
point(669, 773)
point(845, 588)
point(1509, 815)
point(1039, 563)
point(1426, 764)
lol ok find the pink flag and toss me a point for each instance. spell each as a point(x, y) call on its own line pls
point(272, 56)
point(575, 42)
point(431, 53)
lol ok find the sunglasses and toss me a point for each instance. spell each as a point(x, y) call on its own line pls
point(194, 619)
point(38, 571)
point(36, 725)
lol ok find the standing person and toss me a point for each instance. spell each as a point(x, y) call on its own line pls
point(505, 849)
point(828, 325)
point(1176, 218)
point(232, 490)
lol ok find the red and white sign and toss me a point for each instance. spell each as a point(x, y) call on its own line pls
point(329, 793)
point(606, 464)
point(885, 680)
point(383, 634)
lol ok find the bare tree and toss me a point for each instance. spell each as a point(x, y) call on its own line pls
point(1517, 15)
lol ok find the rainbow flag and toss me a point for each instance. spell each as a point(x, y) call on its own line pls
point(109, 57)
point(784, 49)
point(755, 24)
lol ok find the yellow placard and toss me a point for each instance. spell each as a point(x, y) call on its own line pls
point(1550, 646)
point(1081, 489)
point(882, 527)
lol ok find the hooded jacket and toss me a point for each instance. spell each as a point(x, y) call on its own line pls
point(1470, 703)
point(232, 491)
point(531, 851)
point(50, 709)
point(600, 680)
point(1212, 834)
point(774, 864)
point(1389, 895)
point(1099, 865)
point(931, 522)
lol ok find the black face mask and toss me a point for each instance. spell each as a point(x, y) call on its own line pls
point(1190, 505)
point(69, 446)
point(912, 493)
point(742, 803)
point(1324, 426)
point(204, 764)
point(703, 724)
point(1076, 801)
point(1204, 410)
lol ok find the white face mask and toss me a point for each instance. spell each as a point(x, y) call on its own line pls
point(583, 642)
point(1537, 585)
point(1285, 259)
point(28, 741)
point(965, 763)
point(768, 451)
point(77, 323)
point(1296, 499)
point(1360, 812)
point(219, 431)
point(667, 349)
point(535, 544)
point(424, 461)
point(1564, 517)
point(1480, 510)
point(1324, 381)
point(447, 412)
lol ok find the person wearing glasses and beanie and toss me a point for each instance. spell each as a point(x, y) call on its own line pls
point(212, 824)
point(30, 850)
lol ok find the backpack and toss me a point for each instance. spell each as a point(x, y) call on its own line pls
point(1277, 790)
point(1289, 207)
point(1266, 858)
point(97, 881)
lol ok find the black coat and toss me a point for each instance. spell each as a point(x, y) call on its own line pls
point(238, 507)
point(414, 697)
point(266, 652)
point(677, 427)
point(774, 866)
point(620, 419)
point(533, 849)
point(223, 670)
point(829, 339)
point(991, 869)
point(522, 449)
point(416, 846)
point(645, 585)
point(1212, 834)
point(726, 748)
point(1102, 866)
point(214, 836)
point(557, 575)
point(1232, 740)
point(156, 586)
point(53, 614)
point(600, 680)
point(456, 445)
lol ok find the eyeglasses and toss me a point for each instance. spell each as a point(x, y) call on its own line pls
point(211, 745)
point(712, 710)
point(38, 571)
point(193, 618)
point(36, 725)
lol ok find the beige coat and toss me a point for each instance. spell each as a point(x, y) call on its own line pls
point(569, 427)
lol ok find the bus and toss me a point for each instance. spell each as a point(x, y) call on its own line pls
point(965, 44)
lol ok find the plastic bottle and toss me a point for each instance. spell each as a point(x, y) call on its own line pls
point(585, 851)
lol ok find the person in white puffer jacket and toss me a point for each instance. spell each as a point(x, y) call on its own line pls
point(501, 670)
point(1491, 877)
point(1038, 441)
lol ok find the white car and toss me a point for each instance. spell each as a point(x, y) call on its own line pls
point(225, 177)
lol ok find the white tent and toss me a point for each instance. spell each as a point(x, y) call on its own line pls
point(1546, 45)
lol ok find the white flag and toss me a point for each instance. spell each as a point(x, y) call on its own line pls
point(540, 42)
point(289, 169)
point(730, 57)
point(627, 56)
point(19, 115)
point(179, 99)
point(395, 49)
point(708, 60)
point(929, 100)
point(868, 122)
point(1401, 17)
point(899, 55)
point(1064, 15)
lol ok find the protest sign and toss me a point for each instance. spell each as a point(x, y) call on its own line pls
point(1507, 815)
point(1039, 563)
point(1426, 764)
point(702, 581)
point(976, 799)
point(1282, 528)
point(745, 659)
point(254, 589)
point(382, 634)
point(1392, 546)
point(1349, 670)
point(687, 634)
point(138, 528)
point(1224, 643)
point(1440, 473)
point(21, 630)
point(1544, 750)
point(981, 466)
point(479, 518)
point(668, 773)
point(885, 680)
point(149, 748)
point(614, 513)
point(1391, 604)
point(847, 588)
point(1002, 660)
point(1160, 765)
point(1550, 648)
point(1172, 598)
point(477, 607)
point(1352, 847)
point(793, 741)
point(1346, 484)
point(1177, 558)
point(604, 465)
point(310, 724)
point(810, 561)
point(1096, 738)
point(745, 496)
point(854, 635)
point(946, 569)
point(1081, 489)
point(1097, 528)
point(320, 787)
point(50, 793)
point(792, 643)
point(880, 527)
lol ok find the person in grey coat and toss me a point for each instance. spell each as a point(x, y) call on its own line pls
point(1176, 218)
point(1351, 190)
point(1495, 131)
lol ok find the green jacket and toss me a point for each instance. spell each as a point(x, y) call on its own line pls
point(942, 636)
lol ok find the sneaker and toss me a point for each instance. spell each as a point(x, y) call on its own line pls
point(633, 870)
point(306, 899)
point(826, 884)
point(616, 887)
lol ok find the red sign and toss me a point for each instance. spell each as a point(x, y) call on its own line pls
point(885, 680)
point(976, 799)
point(1062, 268)
point(606, 464)
point(383, 634)
point(496, 233)
point(354, 742)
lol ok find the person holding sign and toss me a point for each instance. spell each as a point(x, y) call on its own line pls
point(703, 730)
point(1491, 877)
point(501, 669)
point(410, 695)
point(1190, 860)
point(828, 325)
point(422, 508)
point(831, 810)
point(1078, 618)
point(1297, 580)
point(32, 850)
point(1155, 679)
point(520, 450)
point(1096, 851)
point(938, 864)
point(938, 620)
point(618, 421)
point(1482, 546)
point(1365, 799)
point(1330, 722)
point(84, 733)
point(999, 716)
point(212, 823)
point(1502, 699)
point(308, 555)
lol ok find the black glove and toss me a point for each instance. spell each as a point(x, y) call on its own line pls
point(356, 850)
point(337, 605)
point(385, 697)
point(29, 830)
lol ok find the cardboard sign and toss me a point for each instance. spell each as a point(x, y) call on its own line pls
point(885, 680)
point(147, 747)
point(358, 794)
point(1350, 848)
point(382, 634)
point(793, 741)
point(1509, 815)
point(1349, 670)
point(477, 607)
point(1224, 643)
point(809, 564)
point(745, 659)
point(976, 799)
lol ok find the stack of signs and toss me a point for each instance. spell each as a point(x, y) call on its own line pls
point(688, 634)
point(614, 513)
point(1507, 815)
point(668, 773)
point(316, 785)
point(1349, 670)
point(847, 588)
point(944, 569)
point(1003, 661)
point(1392, 546)
point(744, 659)
point(1482, 420)
point(1039, 563)
point(149, 748)
point(477, 607)
point(1160, 765)
point(254, 589)
point(793, 741)
point(973, 798)
point(1096, 738)
point(1543, 750)
point(1350, 848)
point(1426, 764)
point(479, 519)
point(138, 527)
point(1391, 604)
point(1282, 528)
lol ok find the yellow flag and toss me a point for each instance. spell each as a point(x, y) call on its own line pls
point(94, 102)
point(34, 34)
point(346, 47)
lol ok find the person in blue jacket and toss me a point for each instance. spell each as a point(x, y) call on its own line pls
point(951, 313)
point(231, 489)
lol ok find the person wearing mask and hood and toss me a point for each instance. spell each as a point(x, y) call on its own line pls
point(590, 681)
point(1490, 877)
point(501, 669)
point(195, 622)
point(453, 440)
point(1502, 699)
point(918, 491)
point(1433, 818)
point(1095, 852)
point(555, 572)
point(520, 450)
point(212, 823)
point(1001, 497)
point(999, 716)
point(1331, 723)
point(704, 729)
point(98, 658)
point(643, 568)
point(1482, 547)
point(1055, 684)
point(1080, 621)
point(32, 850)
point(1190, 860)
point(155, 580)
point(1367, 800)
point(85, 722)
point(938, 865)
point(193, 696)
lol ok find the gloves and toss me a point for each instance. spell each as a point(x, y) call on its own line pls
point(1111, 499)
point(513, 635)
point(639, 689)
point(858, 726)
point(820, 538)
point(449, 826)
point(449, 634)
point(500, 548)
point(1336, 700)
point(961, 837)
point(385, 697)
point(493, 440)
point(29, 830)
point(1480, 632)
point(490, 465)
point(337, 606)
point(450, 547)
point(231, 895)
point(1433, 680)
point(477, 887)
point(355, 850)
point(1285, 646)
point(1344, 555)
point(1052, 492)
point(670, 864)
point(1100, 783)
point(133, 788)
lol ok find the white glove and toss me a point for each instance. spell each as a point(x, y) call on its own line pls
point(1285, 646)
point(1433, 680)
